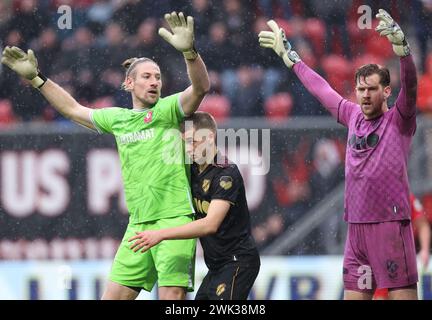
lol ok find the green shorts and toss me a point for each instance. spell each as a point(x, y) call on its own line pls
point(171, 263)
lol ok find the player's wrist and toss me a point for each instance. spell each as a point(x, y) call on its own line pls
point(38, 81)
point(402, 50)
point(191, 54)
point(290, 58)
point(163, 235)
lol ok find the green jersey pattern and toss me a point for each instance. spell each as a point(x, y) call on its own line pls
point(152, 158)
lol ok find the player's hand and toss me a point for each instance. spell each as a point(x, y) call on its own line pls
point(181, 36)
point(25, 64)
point(277, 41)
point(145, 240)
point(424, 258)
point(389, 28)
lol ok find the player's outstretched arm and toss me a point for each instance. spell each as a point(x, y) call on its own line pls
point(314, 83)
point(181, 37)
point(25, 65)
point(406, 101)
point(217, 211)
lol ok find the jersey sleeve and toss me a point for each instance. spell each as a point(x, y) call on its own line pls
point(103, 119)
point(172, 109)
point(406, 100)
point(227, 185)
point(340, 108)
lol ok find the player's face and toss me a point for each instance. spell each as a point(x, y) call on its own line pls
point(147, 83)
point(199, 145)
point(371, 96)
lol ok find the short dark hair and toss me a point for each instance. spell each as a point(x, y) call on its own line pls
point(201, 120)
point(372, 68)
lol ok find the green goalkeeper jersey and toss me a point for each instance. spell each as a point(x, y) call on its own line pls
point(152, 158)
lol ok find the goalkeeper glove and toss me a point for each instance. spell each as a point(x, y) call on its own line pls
point(277, 41)
point(389, 28)
point(25, 64)
point(182, 36)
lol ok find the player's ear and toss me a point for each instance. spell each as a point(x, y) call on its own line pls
point(387, 92)
point(128, 84)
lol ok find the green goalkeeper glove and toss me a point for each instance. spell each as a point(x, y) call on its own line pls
point(182, 36)
point(277, 41)
point(25, 64)
point(389, 28)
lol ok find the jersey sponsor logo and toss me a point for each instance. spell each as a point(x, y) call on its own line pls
point(137, 136)
point(205, 185)
point(149, 116)
point(201, 206)
point(362, 143)
point(226, 182)
point(220, 289)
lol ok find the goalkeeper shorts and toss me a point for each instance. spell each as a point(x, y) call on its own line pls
point(171, 263)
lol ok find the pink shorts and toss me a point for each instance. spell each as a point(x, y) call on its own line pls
point(379, 255)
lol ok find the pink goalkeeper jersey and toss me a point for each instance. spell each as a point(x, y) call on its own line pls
point(376, 177)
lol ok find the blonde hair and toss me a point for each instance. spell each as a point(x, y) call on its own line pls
point(130, 65)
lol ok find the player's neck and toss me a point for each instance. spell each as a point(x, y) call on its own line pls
point(139, 105)
point(384, 109)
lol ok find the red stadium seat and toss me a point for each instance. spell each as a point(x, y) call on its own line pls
point(217, 105)
point(357, 36)
point(6, 113)
point(378, 46)
point(424, 98)
point(103, 102)
point(338, 72)
point(427, 205)
point(285, 25)
point(278, 107)
point(336, 64)
point(366, 59)
point(315, 30)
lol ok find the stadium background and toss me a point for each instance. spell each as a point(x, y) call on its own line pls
point(62, 210)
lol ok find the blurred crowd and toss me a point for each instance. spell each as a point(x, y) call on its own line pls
point(246, 79)
point(305, 174)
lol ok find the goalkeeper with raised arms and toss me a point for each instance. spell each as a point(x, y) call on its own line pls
point(379, 250)
point(157, 191)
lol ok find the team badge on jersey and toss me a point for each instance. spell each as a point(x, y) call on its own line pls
point(205, 185)
point(149, 116)
point(226, 182)
point(220, 289)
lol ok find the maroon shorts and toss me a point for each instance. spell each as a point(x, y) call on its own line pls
point(379, 255)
